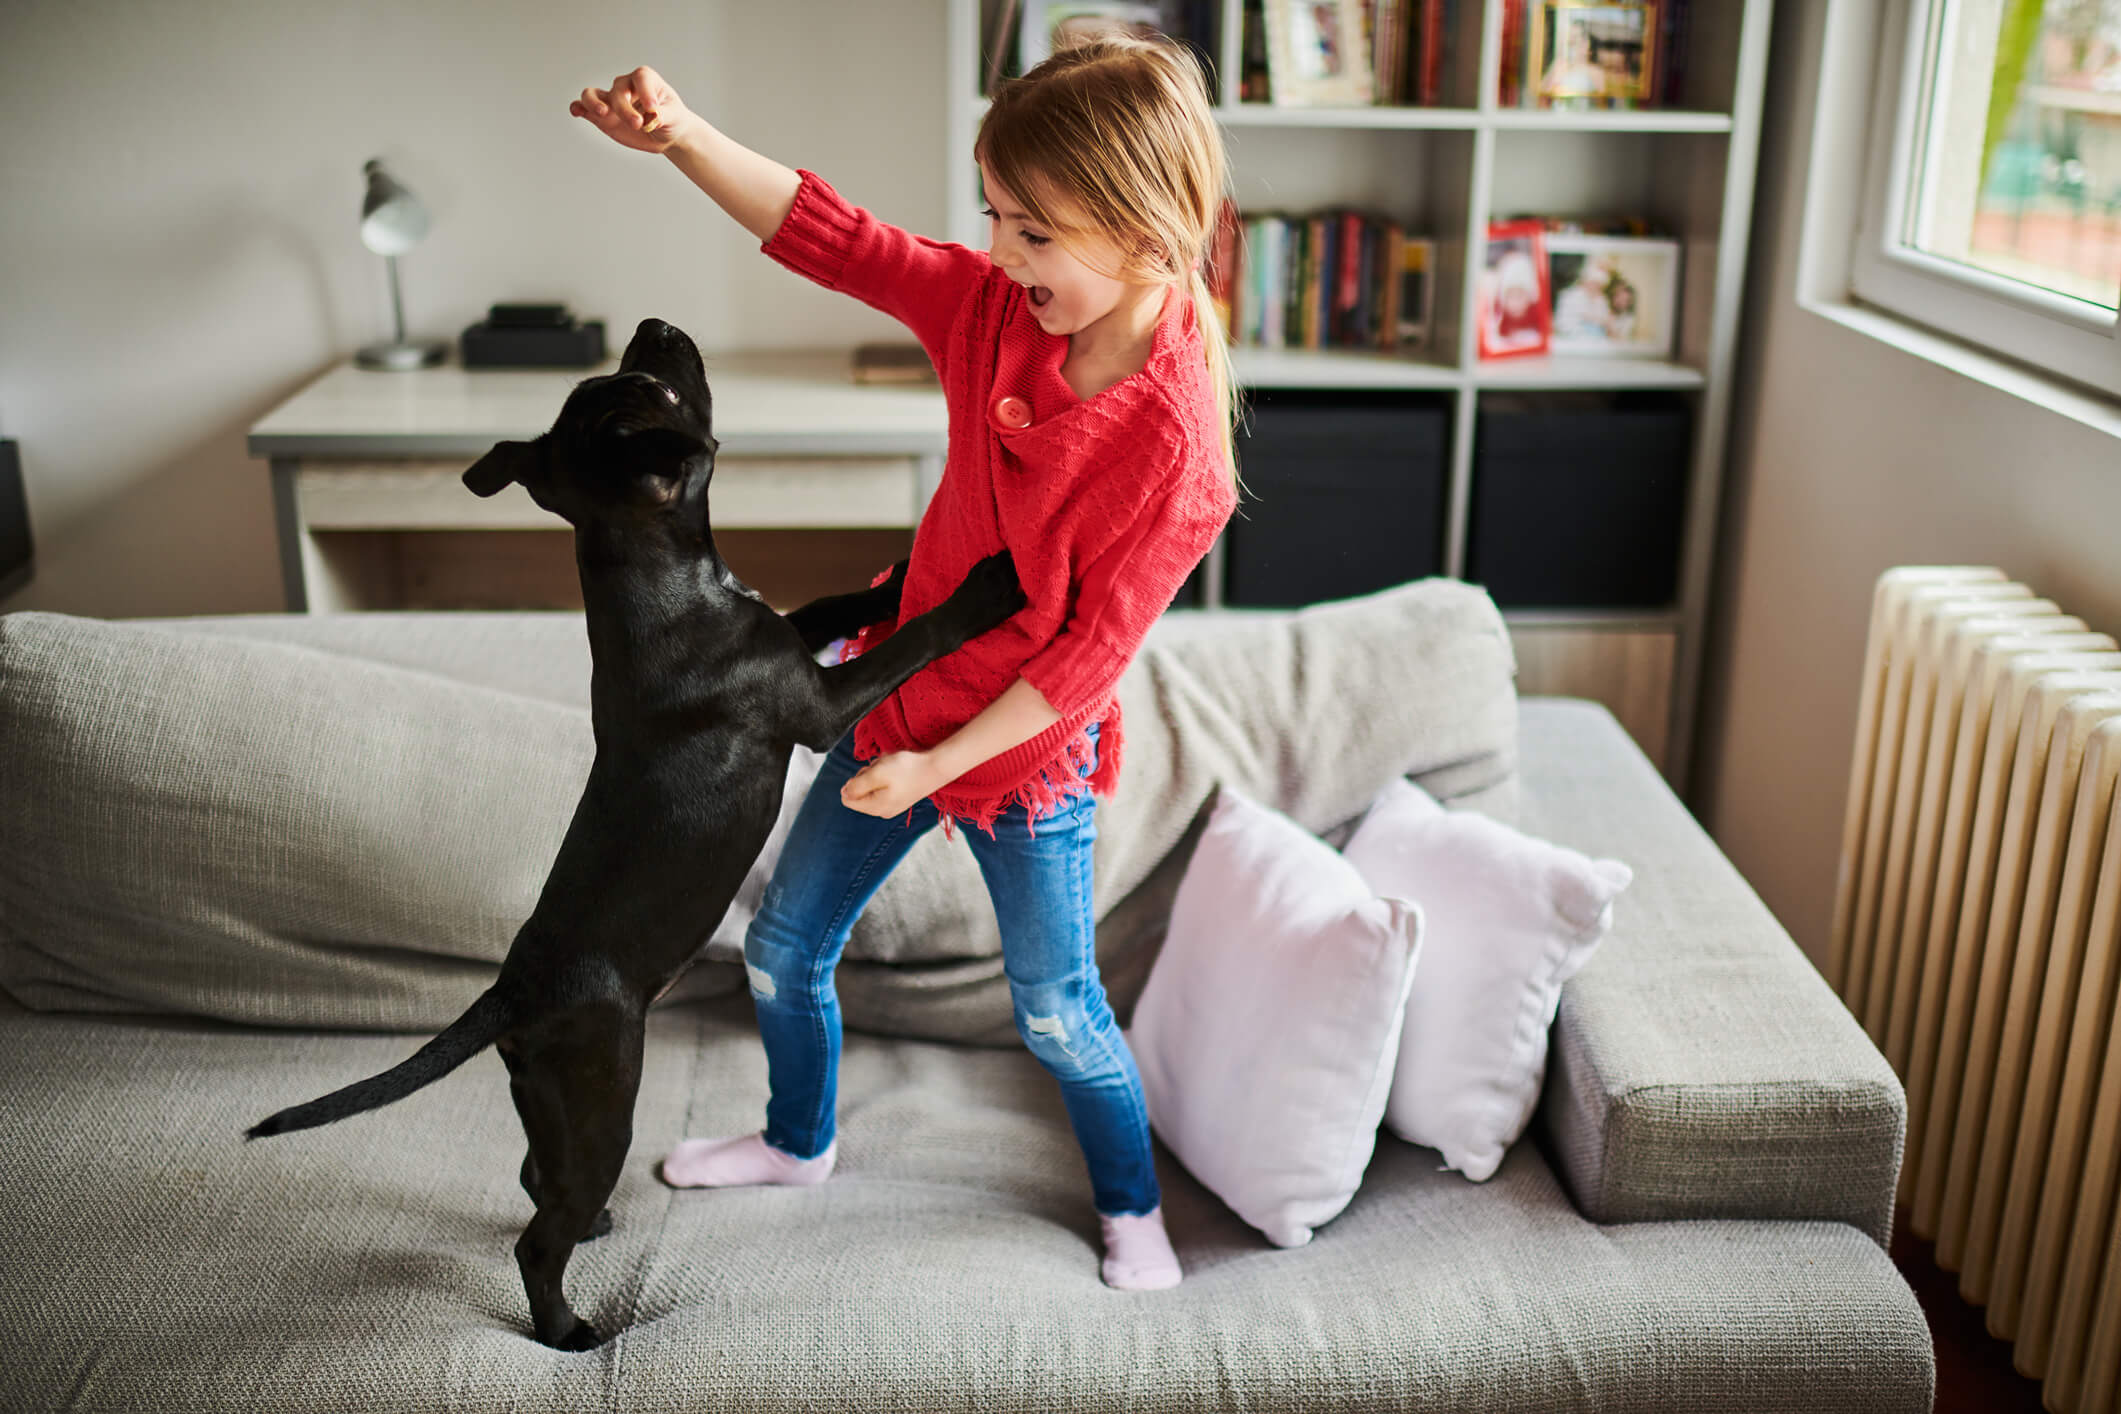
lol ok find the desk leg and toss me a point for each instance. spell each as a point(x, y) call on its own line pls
point(287, 513)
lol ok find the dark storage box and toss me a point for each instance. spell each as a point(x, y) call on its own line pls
point(1579, 502)
point(1344, 495)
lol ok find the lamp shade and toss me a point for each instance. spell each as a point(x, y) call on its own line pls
point(392, 219)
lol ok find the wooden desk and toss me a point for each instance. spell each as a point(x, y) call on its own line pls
point(818, 484)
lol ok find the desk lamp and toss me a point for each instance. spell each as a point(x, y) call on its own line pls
point(392, 222)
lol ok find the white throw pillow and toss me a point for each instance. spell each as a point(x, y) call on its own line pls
point(1508, 919)
point(1267, 1029)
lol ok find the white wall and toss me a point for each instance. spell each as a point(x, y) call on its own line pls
point(1850, 457)
point(182, 186)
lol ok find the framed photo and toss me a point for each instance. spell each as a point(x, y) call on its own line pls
point(1593, 53)
point(1318, 53)
point(1049, 25)
point(1616, 296)
point(1511, 299)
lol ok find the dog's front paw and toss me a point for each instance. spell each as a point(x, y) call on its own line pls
point(600, 1228)
point(990, 593)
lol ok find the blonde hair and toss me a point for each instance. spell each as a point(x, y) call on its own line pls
point(1121, 129)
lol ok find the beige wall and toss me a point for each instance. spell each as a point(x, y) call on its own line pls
point(1850, 456)
point(182, 186)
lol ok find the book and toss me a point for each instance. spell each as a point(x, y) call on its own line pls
point(1222, 267)
point(1509, 86)
point(1414, 293)
point(1431, 86)
point(1252, 62)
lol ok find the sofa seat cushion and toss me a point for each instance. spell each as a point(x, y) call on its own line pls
point(158, 1262)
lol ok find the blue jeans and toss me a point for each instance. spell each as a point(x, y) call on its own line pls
point(835, 860)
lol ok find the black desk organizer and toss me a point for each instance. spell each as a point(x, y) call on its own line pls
point(532, 336)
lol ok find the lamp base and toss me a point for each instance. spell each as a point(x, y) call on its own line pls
point(401, 358)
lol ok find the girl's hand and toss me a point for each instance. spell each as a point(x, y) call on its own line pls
point(639, 111)
point(891, 784)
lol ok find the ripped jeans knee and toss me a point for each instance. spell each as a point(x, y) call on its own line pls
point(780, 975)
point(1066, 1030)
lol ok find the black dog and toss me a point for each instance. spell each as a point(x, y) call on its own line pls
point(698, 692)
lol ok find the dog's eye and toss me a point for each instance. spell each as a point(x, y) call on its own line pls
point(671, 393)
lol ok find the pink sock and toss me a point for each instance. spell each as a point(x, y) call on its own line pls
point(1138, 1255)
point(743, 1160)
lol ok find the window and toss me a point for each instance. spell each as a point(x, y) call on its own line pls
point(1993, 191)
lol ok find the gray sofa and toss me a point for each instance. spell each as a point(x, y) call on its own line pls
point(228, 882)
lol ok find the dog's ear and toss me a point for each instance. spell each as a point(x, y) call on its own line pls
point(508, 461)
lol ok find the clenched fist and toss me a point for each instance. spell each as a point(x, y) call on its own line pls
point(640, 110)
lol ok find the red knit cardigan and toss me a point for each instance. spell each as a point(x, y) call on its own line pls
point(1105, 504)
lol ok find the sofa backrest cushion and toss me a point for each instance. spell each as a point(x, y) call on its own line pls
point(262, 832)
point(239, 826)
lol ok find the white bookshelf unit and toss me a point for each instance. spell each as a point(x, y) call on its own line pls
point(1446, 171)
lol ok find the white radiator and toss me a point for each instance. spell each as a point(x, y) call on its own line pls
point(1977, 937)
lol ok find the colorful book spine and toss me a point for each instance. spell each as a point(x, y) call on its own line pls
point(1384, 84)
point(1672, 59)
point(1324, 279)
point(1510, 82)
point(1392, 254)
point(1222, 264)
point(1431, 91)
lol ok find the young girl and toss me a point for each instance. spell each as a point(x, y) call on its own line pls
point(1090, 403)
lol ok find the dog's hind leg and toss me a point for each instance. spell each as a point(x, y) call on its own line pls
point(528, 1175)
point(576, 1099)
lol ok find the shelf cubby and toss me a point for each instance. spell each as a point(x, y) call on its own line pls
point(1445, 171)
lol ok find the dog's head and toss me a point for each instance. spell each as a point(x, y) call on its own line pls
point(638, 443)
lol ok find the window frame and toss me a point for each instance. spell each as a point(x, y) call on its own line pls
point(2068, 337)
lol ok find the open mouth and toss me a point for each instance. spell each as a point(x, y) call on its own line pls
point(1040, 296)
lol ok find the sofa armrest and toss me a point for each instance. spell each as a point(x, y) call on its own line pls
point(1700, 1066)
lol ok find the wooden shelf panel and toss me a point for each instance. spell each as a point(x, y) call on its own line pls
point(1339, 368)
point(1585, 372)
point(1357, 368)
point(1638, 120)
point(1268, 115)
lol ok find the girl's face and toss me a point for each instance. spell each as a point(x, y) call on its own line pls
point(1066, 295)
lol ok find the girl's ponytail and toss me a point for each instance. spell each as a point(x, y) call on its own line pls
point(1222, 373)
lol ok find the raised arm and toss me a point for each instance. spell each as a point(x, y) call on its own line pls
point(643, 112)
point(799, 219)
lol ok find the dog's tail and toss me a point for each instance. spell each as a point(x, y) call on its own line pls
point(464, 1038)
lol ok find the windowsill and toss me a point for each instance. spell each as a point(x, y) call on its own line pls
point(2042, 390)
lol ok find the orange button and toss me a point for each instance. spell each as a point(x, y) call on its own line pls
point(1011, 414)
